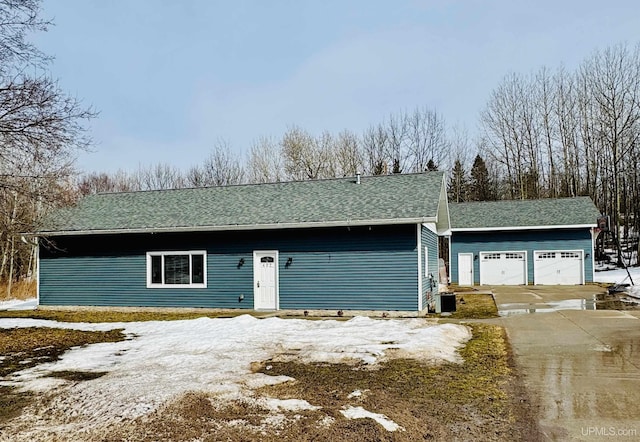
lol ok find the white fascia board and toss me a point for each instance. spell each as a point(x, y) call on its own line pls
point(493, 229)
point(431, 226)
point(222, 228)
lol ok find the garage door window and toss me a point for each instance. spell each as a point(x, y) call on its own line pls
point(547, 255)
point(569, 255)
point(489, 256)
point(514, 255)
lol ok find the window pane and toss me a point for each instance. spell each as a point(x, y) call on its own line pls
point(176, 269)
point(156, 269)
point(197, 269)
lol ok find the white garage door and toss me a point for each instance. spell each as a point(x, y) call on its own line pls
point(503, 268)
point(562, 267)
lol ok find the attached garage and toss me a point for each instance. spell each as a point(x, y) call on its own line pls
point(558, 267)
point(547, 241)
point(503, 268)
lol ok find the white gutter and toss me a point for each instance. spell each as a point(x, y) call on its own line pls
point(493, 229)
point(240, 227)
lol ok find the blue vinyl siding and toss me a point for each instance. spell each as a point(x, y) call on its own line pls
point(527, 240)
point(333, 268)
point(429, 240)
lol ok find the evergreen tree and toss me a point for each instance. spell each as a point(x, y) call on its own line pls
point(458, 183)
point(480, 186)
point(396, 166)
point(431, 166)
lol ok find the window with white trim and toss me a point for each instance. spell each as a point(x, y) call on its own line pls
point(177, 269)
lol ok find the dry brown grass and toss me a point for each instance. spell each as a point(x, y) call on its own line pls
point(475, 306)
point(19, 290)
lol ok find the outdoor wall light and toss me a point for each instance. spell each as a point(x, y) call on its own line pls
point(475, 257)
point(586, 256)
point(241, 262)
point(289, 262)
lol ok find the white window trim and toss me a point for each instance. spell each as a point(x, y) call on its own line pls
point(162, 285)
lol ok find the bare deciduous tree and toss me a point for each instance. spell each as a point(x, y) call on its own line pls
point(41, 129)
point(221, 168)
point(265, 162)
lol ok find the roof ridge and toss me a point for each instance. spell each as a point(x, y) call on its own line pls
point(271, 183)
point(523, 200)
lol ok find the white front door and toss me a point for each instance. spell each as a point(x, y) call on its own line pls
point(465, 269)
point(265, 280)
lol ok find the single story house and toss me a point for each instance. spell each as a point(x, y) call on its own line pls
point(545, 241)
point(358, 243)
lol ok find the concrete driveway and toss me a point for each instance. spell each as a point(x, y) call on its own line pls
point(581, 365)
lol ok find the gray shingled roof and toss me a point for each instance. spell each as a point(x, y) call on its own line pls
point(523, 213)
point(332, 202)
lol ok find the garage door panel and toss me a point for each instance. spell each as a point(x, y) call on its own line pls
point(503, 268)
point(561, 267)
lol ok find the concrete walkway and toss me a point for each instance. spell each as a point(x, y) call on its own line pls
point(582, 366)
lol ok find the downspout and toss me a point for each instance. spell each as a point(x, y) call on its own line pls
point(419, 247)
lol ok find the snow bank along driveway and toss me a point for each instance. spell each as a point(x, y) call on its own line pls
point(164, 359)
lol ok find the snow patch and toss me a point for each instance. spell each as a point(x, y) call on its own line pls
point(618, 276)
point(274, 404)
point(19, 304)
point(361, 413)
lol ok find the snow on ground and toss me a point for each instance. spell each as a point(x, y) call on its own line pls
point(19, 304)
point(618, 276)
point(164, 359)
point(361, 413)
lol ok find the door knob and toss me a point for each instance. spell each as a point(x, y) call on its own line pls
point(258, 284)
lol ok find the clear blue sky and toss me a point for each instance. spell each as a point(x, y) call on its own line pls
point(169, 78)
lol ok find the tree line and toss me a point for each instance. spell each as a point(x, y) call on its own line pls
point(404, 142)
point(566, 133)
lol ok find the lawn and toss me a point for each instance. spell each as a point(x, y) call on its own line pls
point(270, 379)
